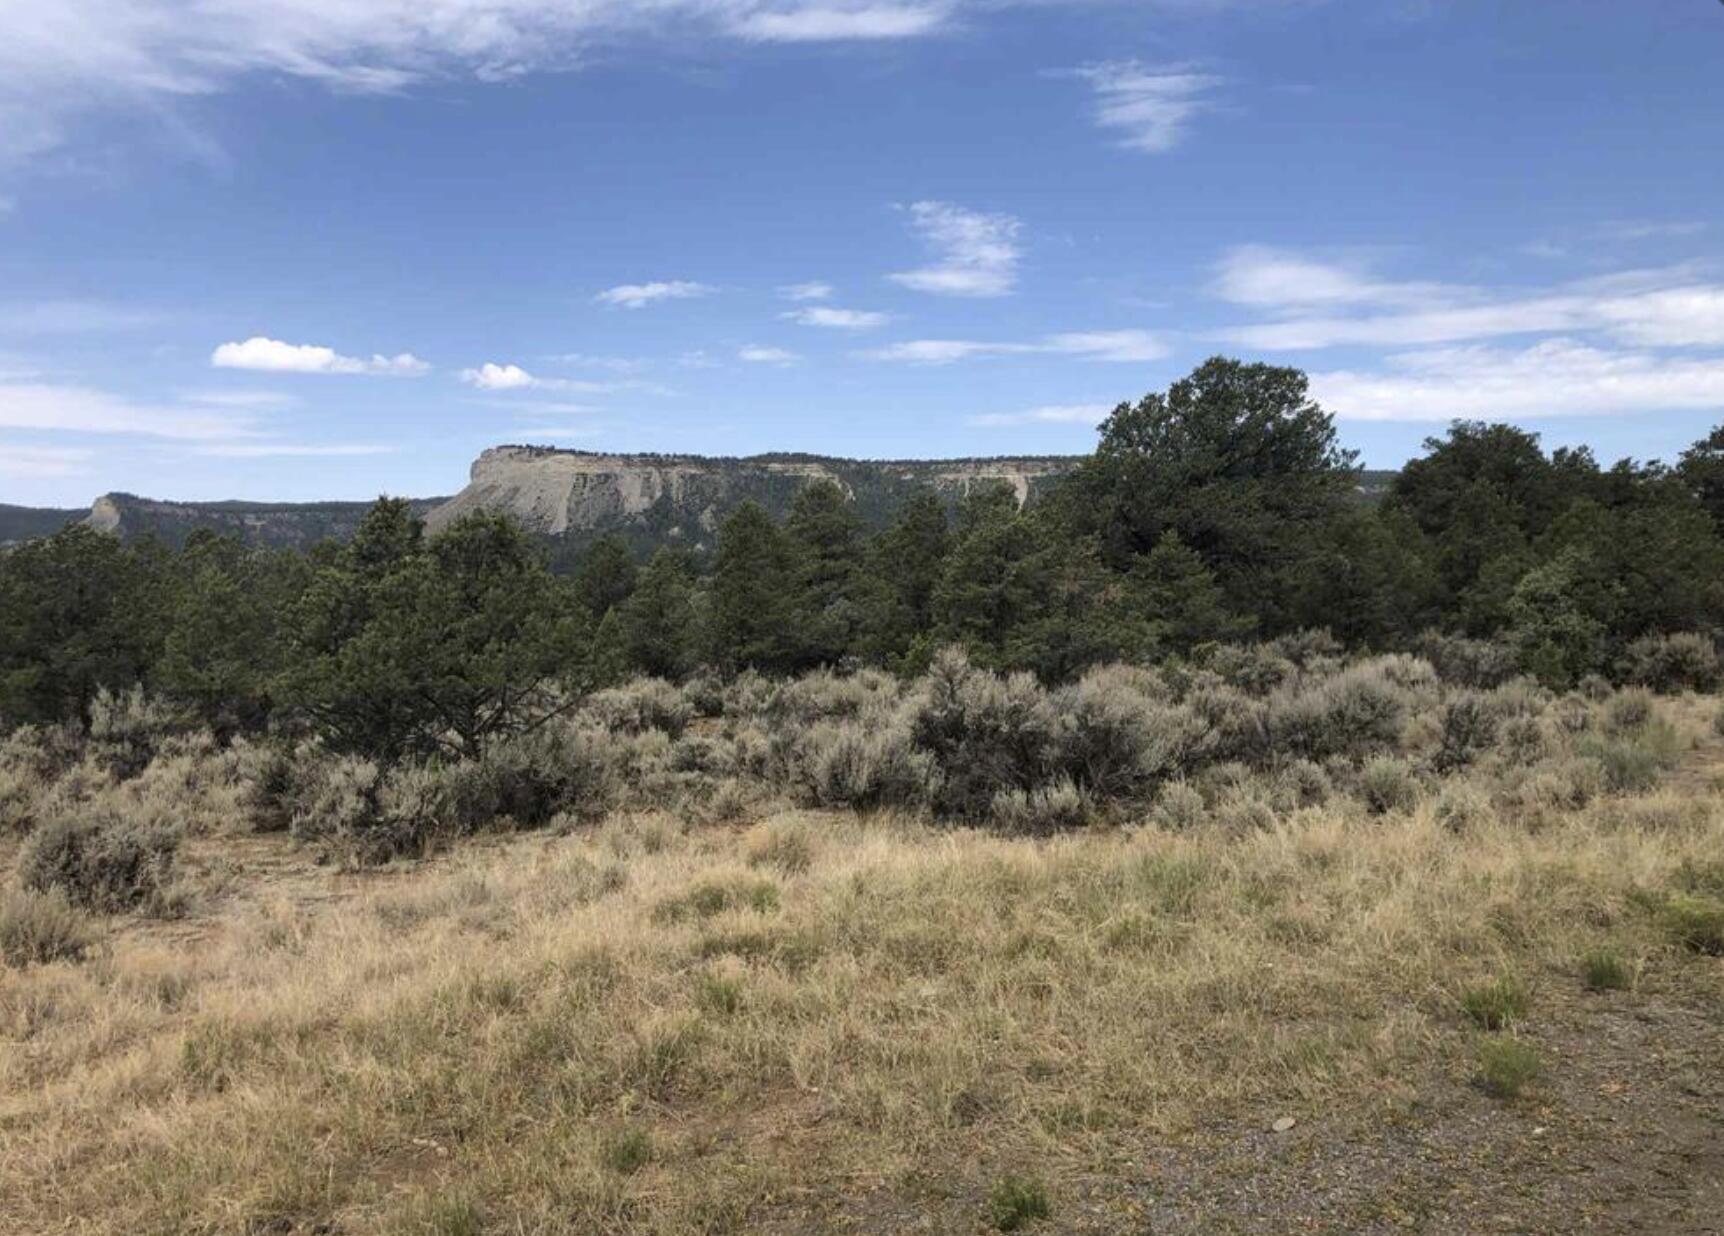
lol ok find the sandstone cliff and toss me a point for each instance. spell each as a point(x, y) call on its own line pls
point(681, 499)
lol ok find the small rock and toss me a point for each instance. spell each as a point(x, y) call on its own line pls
point(1283, 1124)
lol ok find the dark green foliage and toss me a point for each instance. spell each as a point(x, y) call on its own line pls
point(606, 577)
point(751, 622)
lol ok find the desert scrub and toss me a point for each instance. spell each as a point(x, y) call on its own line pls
point(40, 927)
point(1671, 663)
point(1017, 1201)
point(1507, 1065)
point(1056, 807)
point(104, 861)
point(1388, 783)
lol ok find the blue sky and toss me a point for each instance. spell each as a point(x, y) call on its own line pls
point(322, 248)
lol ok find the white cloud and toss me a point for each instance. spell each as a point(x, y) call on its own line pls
point(494, 377)
point(1557, 377)
point(758, 355)
point(1654, 308)
point(837, 319)
point(1150, 106)
point(274, 450)
point(807, 291)
point(17, 459)
point(274, 356)
point(1055, 414)
point(79, 409)
point(639, 295)
point(835, 22)
point(976, 254)
point(1120, 346)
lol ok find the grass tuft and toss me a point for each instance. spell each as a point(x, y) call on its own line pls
point(627, 1151)
point(1017, 1201)
point(1507, 1066)
point(1495, 1005)
point(41, 927)
point(1605, 970)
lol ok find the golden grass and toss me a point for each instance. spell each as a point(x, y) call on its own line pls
point(648, 1027)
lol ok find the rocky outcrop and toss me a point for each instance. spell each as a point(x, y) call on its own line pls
point(681, 499)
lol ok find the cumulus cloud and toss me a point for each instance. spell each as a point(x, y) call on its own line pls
point(273, 356)
point(758, 355)
point(1120, 346)
point(976, 254)
point(837, 319)
point(1151, 107)
point(1053, 414)
point(806, 291)
point(494, 377)
point(1556, 377)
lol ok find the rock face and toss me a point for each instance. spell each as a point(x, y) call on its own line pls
point(276, 524)
point(576, 496)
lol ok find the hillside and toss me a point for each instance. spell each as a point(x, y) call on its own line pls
point(573, 497)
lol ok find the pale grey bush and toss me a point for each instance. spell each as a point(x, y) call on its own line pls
point(1468, 728)
point(986, 733)
point(1310, 649)
point(1672, 663)
point(851, 764)
point(1179, 806)
point(1114, 738)
point(39, 927)
point(1461, 806)
point(823, 695)
point(1469, 662)
point(1629, 710)
point(1388, 783)
point(640, 705)
point(1356, 713)
point(103, 860)
point(1225, 726)
point(1256, 669)
point(128, 727)
point(1055, 807)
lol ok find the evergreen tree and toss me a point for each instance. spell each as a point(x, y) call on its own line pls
point(606, 576)
point(751, 619)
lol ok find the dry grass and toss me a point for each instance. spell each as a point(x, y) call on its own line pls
point(652, 1026)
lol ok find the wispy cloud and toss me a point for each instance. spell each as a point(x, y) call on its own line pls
point(976, 254)
point(756, 354)
point(1652, 308)
point(240, 399)
point(1053, 414)
point(837, 319)
point(273, 356)
point(306, 450)
point(806, 291)
point(20, 459)
point(82, 409)
point(1151, 107)
point(1122, 346)
point(640, 295)
point(823, 23)
point(1557, 377)
point(68, 317)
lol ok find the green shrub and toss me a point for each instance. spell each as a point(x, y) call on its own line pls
point(627, 1151)
point(1671, 663)
point(1017, 1201)
point(712, 897)
point(1507, 1066)
point(37, 927)
point(1604, 970)
point(103, 860)
point(1495, 1005)
point(1696, 922)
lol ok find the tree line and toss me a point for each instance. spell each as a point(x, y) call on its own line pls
point(1222, 509)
